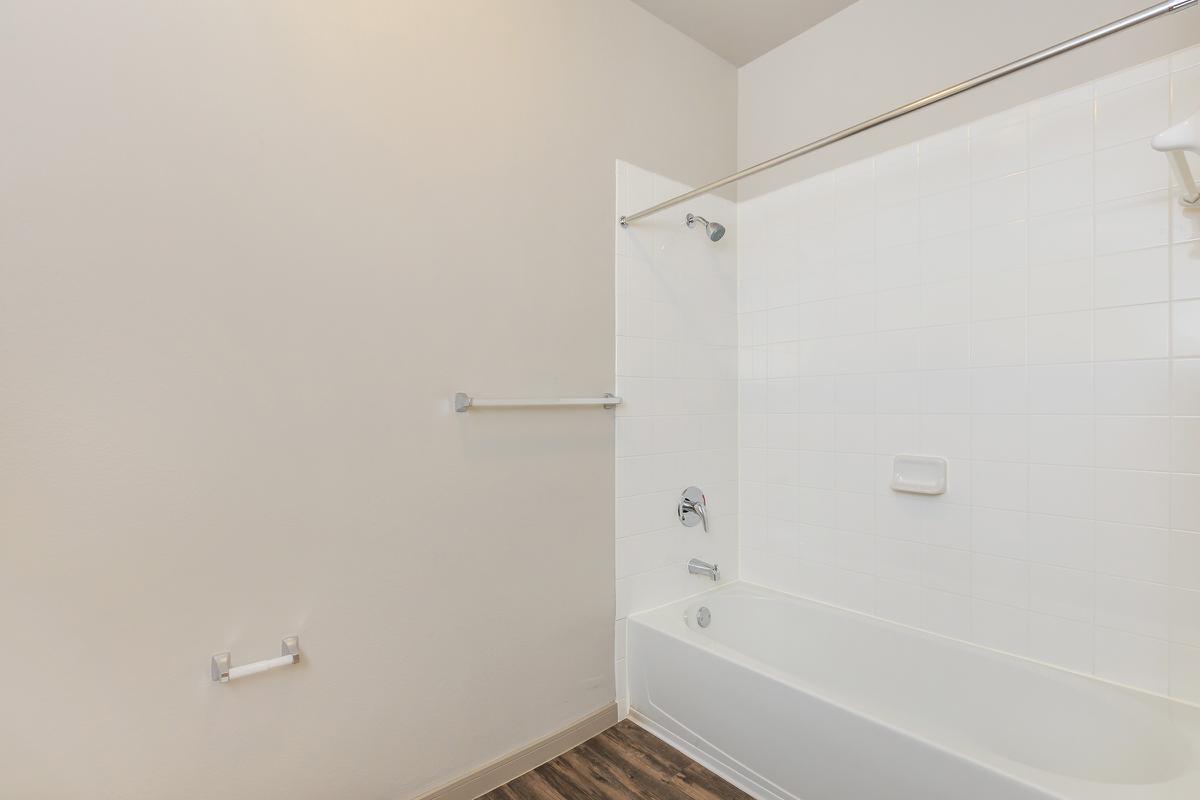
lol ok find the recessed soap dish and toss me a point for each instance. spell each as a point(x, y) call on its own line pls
point(919, 474)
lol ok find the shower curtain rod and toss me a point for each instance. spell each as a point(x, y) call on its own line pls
point(1138, 18)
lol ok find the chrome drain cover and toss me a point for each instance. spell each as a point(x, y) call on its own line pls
point(703, 617)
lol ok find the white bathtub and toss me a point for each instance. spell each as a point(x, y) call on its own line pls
point(789, 698)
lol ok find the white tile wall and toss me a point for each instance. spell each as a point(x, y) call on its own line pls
point(677, 372)
point(1020, 296)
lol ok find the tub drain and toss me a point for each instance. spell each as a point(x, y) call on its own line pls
point(703, 617)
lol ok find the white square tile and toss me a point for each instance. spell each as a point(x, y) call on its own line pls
point(1185, 617)
point(899, 560)
point(1133, 387)
point(946, 258)
point(1001, 200)
point(1133, 277)
point(1061, 491)
point(946, 392)
point(1129, 169)
point(1129, 551)
point(1132, 222)
point(897, 433)
point(1061, 185)
point(1000, 485)
point(1185, 328)
point(898, 224)
point(998, 152)
point(999, 293)
point(945, 213)
point(898, 392)
point(1134, 443)
point(945, 162)
point(1000, 437)
point(1060, 286)
point(1062, 592)
point(1000, 532)
point(1185, 271)
point(1133, 606)
point(1133, 113)
point(999, 390)
point(1064, 439)
point(999, 248)
point(635, 357)
point(948, 435)
point(1060, 338)
point(896, 350)
point(896, 176)
point(946, 570)
point(635, 436)
point(998, 343)
point(1065, 132)
point(1184, 565)
point(1185, 387)
point(1060, 389)
point(1185, 503)
point(855, 394)
point(947, 302)
point(1061, 542)
point(1064, 236)
point(949, 347)
point(899, 308)
point(1135, 498)
point(1132, 332)
point(1000, 580)
point(1185, 444)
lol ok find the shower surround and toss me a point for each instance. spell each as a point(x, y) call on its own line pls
point(1022, 297)
point(677, 372)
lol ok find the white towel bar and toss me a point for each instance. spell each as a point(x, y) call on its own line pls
point(464, 401)
point(223, 673)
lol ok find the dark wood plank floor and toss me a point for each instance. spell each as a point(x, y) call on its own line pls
point(625, 761)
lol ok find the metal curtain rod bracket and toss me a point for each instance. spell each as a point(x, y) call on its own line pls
point(464, 401)
point(1138, 18)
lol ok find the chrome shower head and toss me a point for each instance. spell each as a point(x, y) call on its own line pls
point(713, 230)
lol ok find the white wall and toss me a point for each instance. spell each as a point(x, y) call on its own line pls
point(248, 251)
point(1018, 296)
point(677, 372)
point(876, 55)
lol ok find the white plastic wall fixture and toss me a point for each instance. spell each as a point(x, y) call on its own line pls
point(1175, 141)
point(919, 474)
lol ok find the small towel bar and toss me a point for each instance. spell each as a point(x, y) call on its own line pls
point(222, 672)
point(464, 402)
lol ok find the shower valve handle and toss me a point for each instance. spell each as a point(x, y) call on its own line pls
point(693, 508)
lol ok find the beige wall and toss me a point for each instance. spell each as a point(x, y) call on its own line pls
point(879, 54)
point(249, 250)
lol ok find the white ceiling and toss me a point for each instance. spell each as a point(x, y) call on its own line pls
point(742, 30)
